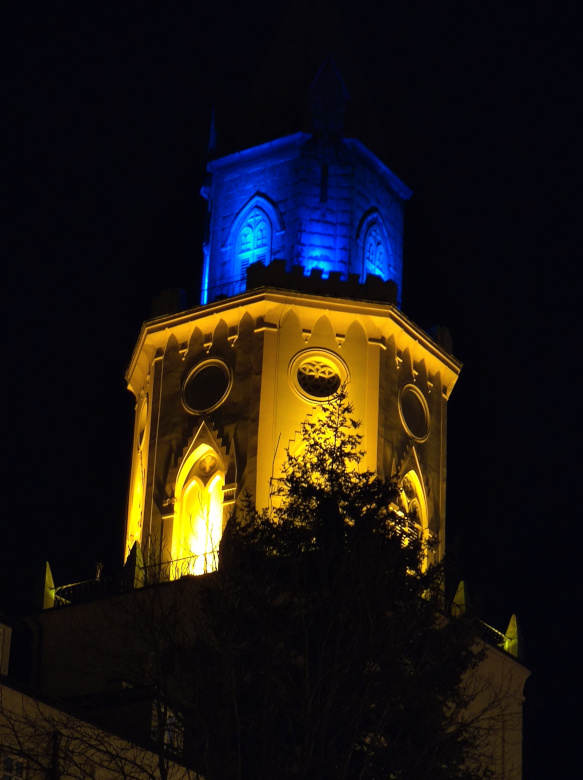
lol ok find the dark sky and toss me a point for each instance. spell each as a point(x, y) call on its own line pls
point(108, 108)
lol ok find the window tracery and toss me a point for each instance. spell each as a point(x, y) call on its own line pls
point(199, 513)
point(318, 378)
point(316, 374)
point(413, 506)
point(374, 252)
point(254, 240)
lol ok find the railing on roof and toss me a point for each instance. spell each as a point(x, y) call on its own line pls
point(493, 637)
point(89, 590)
point(129, 579)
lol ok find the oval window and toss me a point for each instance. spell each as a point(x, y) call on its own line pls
point(207, 386)
point(414, 412)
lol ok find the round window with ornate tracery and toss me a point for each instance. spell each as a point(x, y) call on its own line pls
point(318, 378)
point(317, 374)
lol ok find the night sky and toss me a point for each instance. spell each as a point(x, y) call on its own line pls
point(107, 113)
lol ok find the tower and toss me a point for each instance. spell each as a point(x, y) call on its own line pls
point(300, 295)
point(301, 288)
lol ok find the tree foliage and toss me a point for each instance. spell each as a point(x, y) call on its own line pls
point(332, 655)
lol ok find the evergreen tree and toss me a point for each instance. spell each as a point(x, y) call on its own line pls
point(331, 654)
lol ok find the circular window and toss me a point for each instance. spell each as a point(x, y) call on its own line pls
point(318, 378)
point(414, 412)
point(316, 374)
point(207, 386)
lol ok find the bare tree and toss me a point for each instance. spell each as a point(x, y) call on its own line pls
point(41, 740)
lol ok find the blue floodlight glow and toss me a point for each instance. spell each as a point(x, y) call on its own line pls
point(355, 227)
point(204, 293)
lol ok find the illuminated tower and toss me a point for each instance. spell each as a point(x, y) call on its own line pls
point(300, 293)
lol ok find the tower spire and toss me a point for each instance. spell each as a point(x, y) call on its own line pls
point(278, 101)
point(293, 182)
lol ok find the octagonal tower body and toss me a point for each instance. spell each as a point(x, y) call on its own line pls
point(223, 389)
point(301, 289)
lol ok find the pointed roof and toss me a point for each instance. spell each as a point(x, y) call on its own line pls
point(311, 44)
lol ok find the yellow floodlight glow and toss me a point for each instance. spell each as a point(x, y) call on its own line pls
point(198, 512)
point(134, 529)
point(202, 523)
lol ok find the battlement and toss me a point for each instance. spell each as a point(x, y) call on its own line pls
point(275, 275)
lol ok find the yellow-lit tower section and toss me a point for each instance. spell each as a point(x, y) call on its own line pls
point(222, 391)
point(300, 294)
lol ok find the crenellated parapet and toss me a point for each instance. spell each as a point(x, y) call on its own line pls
point(373, 288)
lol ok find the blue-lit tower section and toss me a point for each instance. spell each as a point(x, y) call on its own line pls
point(321, 204)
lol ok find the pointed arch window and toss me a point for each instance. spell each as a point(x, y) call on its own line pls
point(138, 480)
point(202, 523)
point(198, 513)
point(413, 503)
point(375, 254)
point(254, 240)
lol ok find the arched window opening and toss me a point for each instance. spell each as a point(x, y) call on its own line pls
point(202, 524)
point(254, 240)
point(199, 517)
point(375, 255)
point(136, 504)
point(412, 502)
point(413, 506)
point(134, 532)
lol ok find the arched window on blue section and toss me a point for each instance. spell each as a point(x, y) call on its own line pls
point(256, 235)
point(375, 256)
point(253, 242)
point(373, 246)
